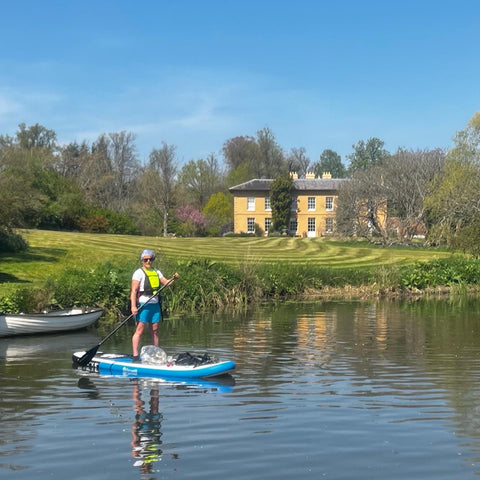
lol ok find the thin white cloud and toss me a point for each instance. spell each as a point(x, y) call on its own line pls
point(8, 105)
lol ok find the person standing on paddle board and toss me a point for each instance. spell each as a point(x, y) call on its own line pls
point(145, 284)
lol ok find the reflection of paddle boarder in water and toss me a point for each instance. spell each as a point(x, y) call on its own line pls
point(146, 432)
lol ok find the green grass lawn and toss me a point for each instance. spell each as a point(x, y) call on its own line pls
point(51, 252)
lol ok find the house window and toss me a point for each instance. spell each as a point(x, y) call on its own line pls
point(251, 204)
point(293, 206)
point(293, 226)
point(311, 204)
point(250, 225)
point(329, 225)
point(311, 225)
point(328, 204)
point(268, 224)
point(267, 204)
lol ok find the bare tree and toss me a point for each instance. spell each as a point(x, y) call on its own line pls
point(400, 182)
point(161, 180)
point(108, 173)
point(199, 179)
point(362, 206)
point(407, 178)
point(298, 161)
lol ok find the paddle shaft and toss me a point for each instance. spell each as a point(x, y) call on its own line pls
point(85, 359)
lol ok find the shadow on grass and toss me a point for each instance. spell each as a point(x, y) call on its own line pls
point(7, 278)
point(35, 254)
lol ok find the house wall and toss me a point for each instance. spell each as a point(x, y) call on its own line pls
point(241, 213)
point(302, 213)
point(319, 213)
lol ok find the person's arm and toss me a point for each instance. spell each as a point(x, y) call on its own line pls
point(164, 280)
point(133, 296)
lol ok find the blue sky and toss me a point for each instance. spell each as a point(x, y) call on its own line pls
point(194, 73)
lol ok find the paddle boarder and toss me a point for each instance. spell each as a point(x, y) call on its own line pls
point(146, 281)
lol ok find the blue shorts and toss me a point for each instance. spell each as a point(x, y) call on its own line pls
point(150, 313)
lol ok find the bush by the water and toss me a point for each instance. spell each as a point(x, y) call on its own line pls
point(449, 272)
point(209, 285)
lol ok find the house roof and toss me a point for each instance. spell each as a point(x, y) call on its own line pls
point(318, 184)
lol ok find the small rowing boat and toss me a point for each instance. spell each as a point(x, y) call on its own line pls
point(57, 321)
point(122, 364)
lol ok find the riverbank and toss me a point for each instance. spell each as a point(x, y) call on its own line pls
point(211, 286)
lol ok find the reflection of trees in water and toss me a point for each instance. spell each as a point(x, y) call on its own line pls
point(406, 348)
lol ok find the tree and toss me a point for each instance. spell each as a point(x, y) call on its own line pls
point(367, 155)
point(124, 162)
point(361, 206)
point(200, 179)
point(219, 213)
point(161, 179)
point(19, 200)
point(330, 161)
point(407, 178)
point(33, 194)
point(36, 136)
point(271, 158)
point(298, 161)
point(71, 160)
point(192, 221)
point(107, 173)
point(403, 181)
point(281, 201)
point(453, 203)
point(239, 151)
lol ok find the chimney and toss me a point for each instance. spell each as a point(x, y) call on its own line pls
point(294, 175)
point(326, 175)
point(310, 175)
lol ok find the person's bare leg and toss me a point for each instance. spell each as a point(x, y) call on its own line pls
point(136, 338)
point(155, 334)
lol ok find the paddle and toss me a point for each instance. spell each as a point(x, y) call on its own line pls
point(87, 356)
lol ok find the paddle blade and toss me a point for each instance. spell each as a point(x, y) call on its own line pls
point(85, 359)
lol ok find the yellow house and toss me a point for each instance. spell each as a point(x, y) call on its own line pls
point(312, 212)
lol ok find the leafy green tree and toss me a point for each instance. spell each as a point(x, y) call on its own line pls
point(240, 151)
point(330, 161)
point(271, 157)
point(240, 175)
point(36, 136)
point(454, 201)
point(219, 214)
point(367, 154)
point(260, 157)
point(33, 194)
point(281, 201)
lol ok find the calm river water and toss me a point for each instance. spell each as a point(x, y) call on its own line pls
point(336, 390)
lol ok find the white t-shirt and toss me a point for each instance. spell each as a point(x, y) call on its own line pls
point(140, 275)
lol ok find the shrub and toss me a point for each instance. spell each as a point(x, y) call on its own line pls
point(11, 242)
point(445, 272)
point(104, 285)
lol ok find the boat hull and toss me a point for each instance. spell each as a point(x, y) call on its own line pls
point(52, 322)
point(118, 364)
